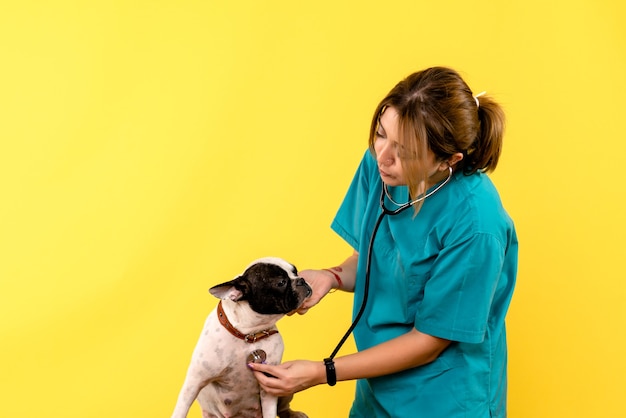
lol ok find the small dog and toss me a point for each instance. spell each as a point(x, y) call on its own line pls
point(241, 330)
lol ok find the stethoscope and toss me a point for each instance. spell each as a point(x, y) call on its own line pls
point(385, 211)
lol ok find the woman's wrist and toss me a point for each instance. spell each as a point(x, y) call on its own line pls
point(331, 373)
point(335, 275)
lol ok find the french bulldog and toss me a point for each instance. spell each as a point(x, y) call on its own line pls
point(240, 330)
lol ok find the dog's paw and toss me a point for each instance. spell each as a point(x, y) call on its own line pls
point(292, 414)
point(284, 410)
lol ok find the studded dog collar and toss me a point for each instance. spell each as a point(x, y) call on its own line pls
point(249, 338)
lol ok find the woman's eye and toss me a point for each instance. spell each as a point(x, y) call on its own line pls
point(404, 154)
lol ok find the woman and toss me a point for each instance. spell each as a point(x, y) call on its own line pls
point(431, 341)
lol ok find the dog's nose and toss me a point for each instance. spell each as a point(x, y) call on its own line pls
point(302, 282)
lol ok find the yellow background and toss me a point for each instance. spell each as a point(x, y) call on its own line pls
point(152, 149)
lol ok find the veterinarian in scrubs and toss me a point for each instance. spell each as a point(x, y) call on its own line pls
point(431, 341)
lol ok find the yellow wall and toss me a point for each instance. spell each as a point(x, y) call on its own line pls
point(151, 149)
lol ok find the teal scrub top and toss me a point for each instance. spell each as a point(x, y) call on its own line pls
point(448, 272)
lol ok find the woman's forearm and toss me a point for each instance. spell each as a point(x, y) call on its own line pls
point(410, 350)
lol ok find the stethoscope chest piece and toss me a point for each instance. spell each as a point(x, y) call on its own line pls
point(257, 356)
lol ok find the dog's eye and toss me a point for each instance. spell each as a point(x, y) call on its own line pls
point(282, 283)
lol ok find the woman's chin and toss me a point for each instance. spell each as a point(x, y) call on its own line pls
point(392, 181)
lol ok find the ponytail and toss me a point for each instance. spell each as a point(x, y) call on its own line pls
point(485, 151)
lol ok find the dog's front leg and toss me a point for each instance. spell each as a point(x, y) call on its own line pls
point(186, 397)
point(269, 404)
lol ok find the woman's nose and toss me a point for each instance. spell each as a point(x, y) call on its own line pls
point(385, 155)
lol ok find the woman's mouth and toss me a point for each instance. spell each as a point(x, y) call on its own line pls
point(384, 174)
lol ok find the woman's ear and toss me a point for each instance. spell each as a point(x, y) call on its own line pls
point(453, 159)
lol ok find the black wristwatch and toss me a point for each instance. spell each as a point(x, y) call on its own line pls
point(331, 375)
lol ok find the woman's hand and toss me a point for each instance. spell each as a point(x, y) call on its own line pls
point(321, 283)
point(289, 377)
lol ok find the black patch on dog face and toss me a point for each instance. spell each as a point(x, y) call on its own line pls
point(270, 286)
point(269, 289)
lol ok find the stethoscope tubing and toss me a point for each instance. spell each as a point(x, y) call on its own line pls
point(370, 247)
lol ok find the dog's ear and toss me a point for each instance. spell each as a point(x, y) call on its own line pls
point(233, 290)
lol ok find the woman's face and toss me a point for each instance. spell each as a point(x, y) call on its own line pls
point(389, 152)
